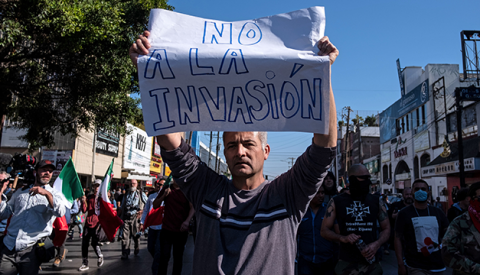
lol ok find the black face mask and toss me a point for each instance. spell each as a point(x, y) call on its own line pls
point(359, 189)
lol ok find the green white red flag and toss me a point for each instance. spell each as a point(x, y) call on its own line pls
point(68, 184)
point(107, 217)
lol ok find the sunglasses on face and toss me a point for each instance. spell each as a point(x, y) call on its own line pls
point(364, 177)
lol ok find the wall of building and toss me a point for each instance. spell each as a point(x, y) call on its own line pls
point(83, 157)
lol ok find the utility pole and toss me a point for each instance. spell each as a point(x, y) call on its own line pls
point(292, 160)
point(461, 165)
point(210, 150)
point(94, 151)
point(346, 140)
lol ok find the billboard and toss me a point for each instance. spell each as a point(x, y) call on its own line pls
point(410, 101)
point(107, 142)
point(138, 150)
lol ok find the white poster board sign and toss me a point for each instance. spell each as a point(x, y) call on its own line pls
point(209, 75)
point(138, 149)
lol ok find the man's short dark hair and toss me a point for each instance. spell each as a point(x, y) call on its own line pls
point(420, 181)
point(472, 191)
point(462, 194)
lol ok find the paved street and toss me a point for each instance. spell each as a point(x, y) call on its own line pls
point(141, 264)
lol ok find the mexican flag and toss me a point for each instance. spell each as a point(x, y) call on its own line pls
point(155, 216)
point(107, 217)
point(68, 184)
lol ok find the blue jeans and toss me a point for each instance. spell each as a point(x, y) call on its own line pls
point(153, 247)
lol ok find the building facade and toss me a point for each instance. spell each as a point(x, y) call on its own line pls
point(416, 129)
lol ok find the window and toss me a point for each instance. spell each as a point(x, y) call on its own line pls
point(425, 160)
point(408, 124)
point(423, 114)
point(414, 119)
point(469, 118)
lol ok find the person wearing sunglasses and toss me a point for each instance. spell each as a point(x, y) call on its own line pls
point(357, 214)
point(418, 234)
point(33, 210)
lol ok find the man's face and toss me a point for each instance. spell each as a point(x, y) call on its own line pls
point(159, 185)
point(408, 196)
point(134, 183)
point(95, 189)
point(244, 153)
point(319, 197)
point(420, 186)
point(44, 175)
point(328, 182)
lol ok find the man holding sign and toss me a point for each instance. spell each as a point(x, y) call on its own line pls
point(247, 225)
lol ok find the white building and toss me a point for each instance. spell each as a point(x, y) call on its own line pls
point(413, 129)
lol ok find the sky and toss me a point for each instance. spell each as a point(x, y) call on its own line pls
point(371, 36)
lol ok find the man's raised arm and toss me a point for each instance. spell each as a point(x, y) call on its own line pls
point(169, 141)
point(330, 140)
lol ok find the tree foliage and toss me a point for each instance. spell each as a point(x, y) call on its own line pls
point(371, 121)
point(64, 65)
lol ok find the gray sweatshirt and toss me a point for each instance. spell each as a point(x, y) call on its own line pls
point(247, 231)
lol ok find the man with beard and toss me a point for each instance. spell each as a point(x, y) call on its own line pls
point(418, 234)
point(357, 214)
point(131, 204)
point(33, 210)
point(315, 254)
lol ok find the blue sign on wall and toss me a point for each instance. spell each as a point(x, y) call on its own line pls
point(410, 101)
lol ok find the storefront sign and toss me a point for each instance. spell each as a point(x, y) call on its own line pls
point(138, 148)
point(372, 166)
point(400, 152)
point(411, 100)
point(450, 167)
point(107, 142)
point(421, 141)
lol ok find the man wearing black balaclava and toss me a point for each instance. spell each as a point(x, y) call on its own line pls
point(357, 214)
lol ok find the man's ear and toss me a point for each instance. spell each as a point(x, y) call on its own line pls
point(266, 152)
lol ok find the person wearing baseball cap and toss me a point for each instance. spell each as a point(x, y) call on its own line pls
point(17, 255)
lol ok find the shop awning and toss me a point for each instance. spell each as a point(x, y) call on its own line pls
point(442, 166)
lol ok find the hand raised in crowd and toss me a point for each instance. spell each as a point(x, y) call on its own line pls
point(140, 46)
point(167, 192)
point(327, 48)
point(352, 238)
point(4, 186)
